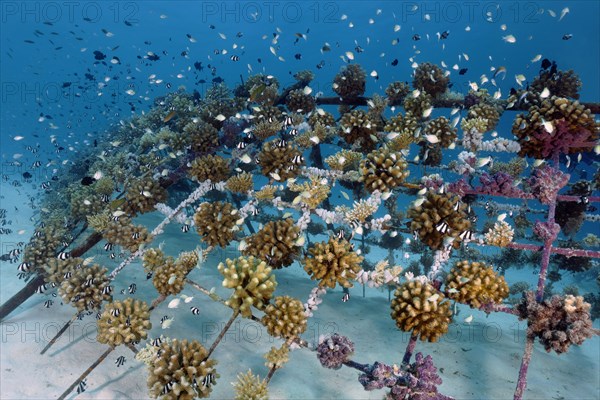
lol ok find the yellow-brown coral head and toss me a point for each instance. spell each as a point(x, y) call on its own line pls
point(285, 318)
point(421, 309)
point(86, 288)
point(142, 195)
point(383, 170)
point(280, 160)
point(124, 322)
point(333, 262)
point(252, 281)
point(215, 168)
point(181, 371)
point(475, 284)
point(431, 78)
point(276, 243)
point(216, 223)
point(439, 219)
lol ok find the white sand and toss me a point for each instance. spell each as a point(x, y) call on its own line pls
point(479, 361)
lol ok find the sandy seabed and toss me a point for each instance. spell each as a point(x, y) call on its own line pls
point(476, 361)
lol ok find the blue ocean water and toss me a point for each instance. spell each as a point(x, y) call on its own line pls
point(74, 73)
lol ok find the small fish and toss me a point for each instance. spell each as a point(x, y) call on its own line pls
point(63, 255)
point(48, 303)
point(185, 228)
point(442, 227)
point(469, 319)
point(501, 217)
point(107, 289)
point(156, 342)
point(433, 298)
point(545, 93)
point(208, 380)
point(167, 388)
point(195, 310)
point(509, 39)
point(431, 138)
point(120, 361)
point(466, 235)
point(169, 116)
point(81, 387)
point(567, 36)
point(174, 303)
point(345, 297)
point(115, 312)
point(132, 288)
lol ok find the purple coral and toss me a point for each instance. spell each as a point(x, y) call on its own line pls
point(563, 140)
point(378, 376)
point(545, 182)
point(558, 322)
point(547, 231)
point(460, 187)
point(334, 351)
point(500, 183)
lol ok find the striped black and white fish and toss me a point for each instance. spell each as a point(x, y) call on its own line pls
point(108, 246)
point(105, 198)
point(63, 255)
point(234, 58)
point(164, 318)
point(107, 290)
point(340, 235)
point(149, 275)
point(442, 227)
point(156, 342)
point(48, 303)
point(24, 267)
point(132, 288)
point(185, 228)
point(346, 297)
point(195, 310)
point(112, 256)
point(81, 386)
point(208, 380)
point(115, 312)
point(14, 253)
point(67, 275)
point(120, 361)
point(466, 235)
point(281, 143)
point(41, 289)
point(287, 121)
point(167, 388)
point(135, 235)
point(89, 282)
point(298, 159)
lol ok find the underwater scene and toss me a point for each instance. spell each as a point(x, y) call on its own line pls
point(300, 200)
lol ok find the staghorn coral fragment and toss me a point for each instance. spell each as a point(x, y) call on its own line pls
point(344, 160)
point(215, 223)
point(153, 258)
point(123, 322)
point(324, 118)
point(475, 284)
point(332, 262)
point(55, 268)
point(250, 387)
point(383, 170)
point(181, 371)
point(240, 183)
point(267, 193)
point(252, 281)
point(312, 193)
point(276, 243)
point(169, 277)
point(86, 288)
point(358, 129)
point(285, 318)
point(421, 309)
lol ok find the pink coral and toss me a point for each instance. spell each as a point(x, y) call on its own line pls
point(546, 230)
point(460, 187)
point(563, 140)
point(500, 183)
point(545, 182)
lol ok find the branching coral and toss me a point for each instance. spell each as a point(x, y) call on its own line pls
point(421, 309)
point(277, 357)
point(440, 127)
point(212, 167)
point(182, 371)
point(333, 262)
point(321, 117)
point(558, 83)
point(545, 182)
point(358, 129)
point(298, 101)
point(344, 160)
point(252, 282)
point(86, 288)
point(285, 318)
point(417, 106)
point(500, 235)
point(169, 277)
point(557, 322)
point(240, 184)
point(499, 184)
point(334, 350)
point(383, 170)
point(55, 268)
point(250, 387)
point(475, 284)
point(280, 160)
point(558, 125)
point(202, 137)
point(122, 232)
point(438, 218)
point(142, 195)
point(570, 215)
point(485, 112)
point(312, 193)
point(124, 322)
point(350, 82)
point(216, 223)
point(276, 243)
point(396, 92)
point(431, 78)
